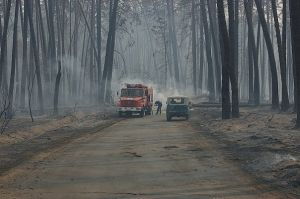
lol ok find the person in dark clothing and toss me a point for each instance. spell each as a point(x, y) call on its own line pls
point(159, 105)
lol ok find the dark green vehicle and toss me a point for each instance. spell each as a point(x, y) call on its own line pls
point(178, 107)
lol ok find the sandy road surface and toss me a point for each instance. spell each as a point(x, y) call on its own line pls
point(135, 158)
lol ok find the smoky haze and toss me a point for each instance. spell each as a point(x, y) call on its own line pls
point(173, 46)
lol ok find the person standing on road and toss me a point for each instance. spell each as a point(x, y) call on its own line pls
point(159, 105)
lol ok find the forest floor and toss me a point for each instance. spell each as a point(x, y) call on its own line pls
point(264, 142)
point(24, 139)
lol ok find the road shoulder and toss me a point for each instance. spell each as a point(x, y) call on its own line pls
point(261, 141)
point(46, 140)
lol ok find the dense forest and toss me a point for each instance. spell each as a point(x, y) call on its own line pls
point(58, 53)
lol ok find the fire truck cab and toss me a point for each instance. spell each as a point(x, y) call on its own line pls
point(135, 99)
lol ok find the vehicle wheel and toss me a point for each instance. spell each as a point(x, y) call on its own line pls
point(120, 114)
point(129, 114)
point(169, 118)
point(142, 114)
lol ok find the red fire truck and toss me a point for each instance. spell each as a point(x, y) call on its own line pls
point(135, 99)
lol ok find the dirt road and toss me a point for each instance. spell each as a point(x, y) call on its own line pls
point(135, 158)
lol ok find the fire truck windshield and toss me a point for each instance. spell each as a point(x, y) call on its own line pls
point(132, 92)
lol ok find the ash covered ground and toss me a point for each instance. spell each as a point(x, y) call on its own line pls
point(263, 141)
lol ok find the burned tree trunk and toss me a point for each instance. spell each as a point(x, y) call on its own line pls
point(253, 55)
point(250, 70)
point(285, 98)
point(13, 60)
point(51, 35)
point(295, 31)
point(4, 41)
point(41, 29)
point(36, 56)
point(112, 50)
point(284, 37)
point(211, 82)
point(24, 58)
point(211, 6)
point(56, 89)
point(224, 38)
point(275, 96)
point(172, 30)
point(194, 50)
point(236, 37)
point(233, 68)
point(109, 57)
point(201, 57)
point(99, 37)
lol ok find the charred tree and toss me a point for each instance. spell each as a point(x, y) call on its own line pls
point(211, 82)
point(24, 57)
point(269, 45)
point(201, 57)
point(56, 89)
point(285, 98)
point(109, 57)
point(194, 49)
point(295, 31)
point(51, 35)
point(232, 67)
point(236, 36)
point(211, 6)
point(36, 56)
point(13, 62)
point(172, 31)
point(4, 41)
point(224, 39)
point(99, 42)
point(254, 93)
point(42, 35)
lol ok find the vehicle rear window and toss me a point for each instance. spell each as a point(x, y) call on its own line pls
point(177, 101)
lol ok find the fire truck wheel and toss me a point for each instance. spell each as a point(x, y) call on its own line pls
point(120, 114)
point(142, 114)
